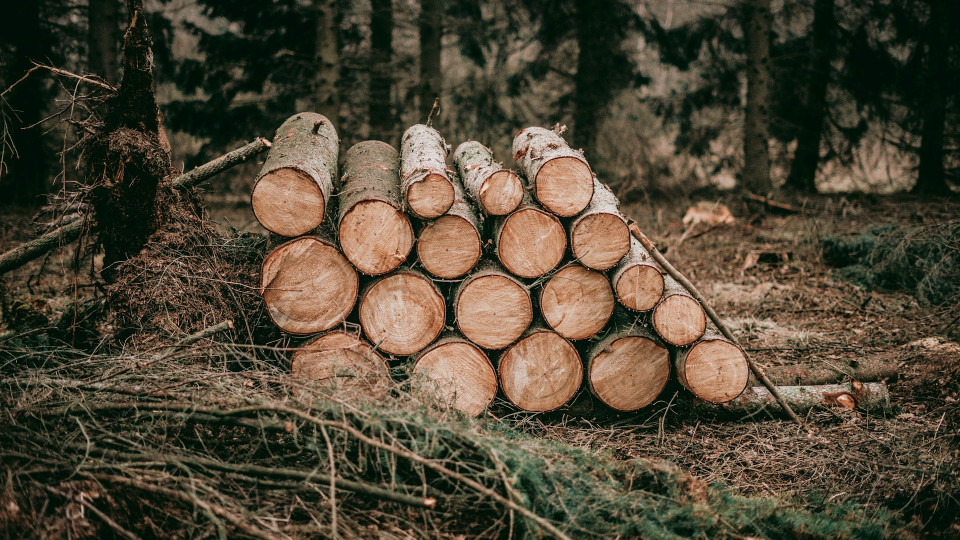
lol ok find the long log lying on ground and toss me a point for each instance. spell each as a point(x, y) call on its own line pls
point(451, 245)
point(458, 373)
point(492, 308)
point(529, 242)
point(341, 358)
point(561, 179)
point(308, 286)
point(402, 313)
point(292, 193)
point(425, 185)
point(863, 369)
point(598, 235)
point(713, 369)
point(871, 396)
point(496, 190)
point(628, 367)
point(577, 302)
point(540, 372)
point(70, 232)
point(374, 233)
point(678, 318)
point(637, 280)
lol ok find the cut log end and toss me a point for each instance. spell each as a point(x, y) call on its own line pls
point(402, 313)
point(564, 185)
point(531, 243)
point(449, 247)
point(541, 372)
point(630, 373)
point(341, 358)
point(639, 287)
point(714, 370)
point(376, 237)
point(599, 241)
point(288, 202)
point(577, 302)
point(459, 374)
point(493, 311)
point(431, 197)
point(679, 319)
point(501, 193)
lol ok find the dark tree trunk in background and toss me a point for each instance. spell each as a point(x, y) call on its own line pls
point(431, 34)
point(589, 78)
point(382, 123)
point(931, 179)
point(327, 59)
point(103, 39)
point(803, 172)
point(756, 129)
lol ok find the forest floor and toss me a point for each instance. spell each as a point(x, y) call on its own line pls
point(788, 307)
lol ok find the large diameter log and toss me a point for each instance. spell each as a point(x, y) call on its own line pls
point(493, 309)
point(871, 396)
point(451, 245)
point(540, 372)
point(496, 190)
point(529, 242)
point(458, 373)
point(342, 358)
point(577, 302)
point(308, 286)
point(637, 280)
point(599, 237)
point(561, 179)
point(628, 367)
point(425, 185)
point(713, 369)
point(402, 313)
point(291, 195)
point(678, 318)
point(375, 235)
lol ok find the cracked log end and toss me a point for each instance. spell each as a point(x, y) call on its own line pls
point(577, 302)
point(458, 373)
point(402, 313)
point(629, 373)
point(376, 237)
point(541, 372)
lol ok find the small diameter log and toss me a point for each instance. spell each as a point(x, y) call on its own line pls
point(599, 237)
point(577, 302)
point(458, 373)
point(713, 369)
point(375, 235)
point(637, 280)
point(678, 318)
point(402, 313)
point(561, 179)
point(340, 357)
point(451, 245)
point(529, 242)
point(426, 187)
point(628, 367)
point(291, 195)
point(540, 372)
point(871, 396)
point(496, 190)
point(864, 369)
point(492, 308)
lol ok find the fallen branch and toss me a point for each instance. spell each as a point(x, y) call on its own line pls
point(772, 204)
point(872, 396)
point(205, 333)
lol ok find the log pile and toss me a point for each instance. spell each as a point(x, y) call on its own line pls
point(483, 279)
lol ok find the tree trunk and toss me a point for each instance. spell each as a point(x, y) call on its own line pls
point(308, 286)
point(451, 245)
point(493, 309)
point(678, 318)
point(291, 195)
point(529, 242)
point(326, 96)
point(598, 236)
point(402, 313)
point(496, 190)
point(577, 302)
point(931, 178)
point(628, 367)
point(103, 38)
point(803, 172)
point(431, 36)
point(456, 372)
point(382, 121)
point(541, 372)
point(713, 369)
point(561, 178)
point(855, 395)
point(756, 130)
point(375, 235)
point(425, 185)
point(589, 79)
point(343, 359)
point(637, 280)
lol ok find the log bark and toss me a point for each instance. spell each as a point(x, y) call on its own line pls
point(637, 281)
point(292, 192)
point(492, 308)
point(678, 318)
point(540, 372)
point(599, 237)
point(426, 187)
point(451, 245)
point(308, 286)
point(496, 190)
point(341, 357)
point(561, 178)
point(529, 242)
point(457, 373)
point(577, 302)
point(851, 396)
point(714, 369)
point(628, 367)
point(374, 233)
point(867, 369)
point(402, 313)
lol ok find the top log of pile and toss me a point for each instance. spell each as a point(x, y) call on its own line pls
point(561, 179)
point(426, 187)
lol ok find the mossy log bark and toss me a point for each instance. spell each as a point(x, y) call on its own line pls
point(529, 242)
point(496, 190)
point(402, 313)
point(540, 372)
point(457, 373)
point(492, 307)
point(637, 280)
point(714, 369)
point(577, 302)
point(292, 193)
point(426, 187)
point(451, 245)
point(678, 318)
point(628, 367)
point(599, 237)
point(374, 233)
point(561, 179)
